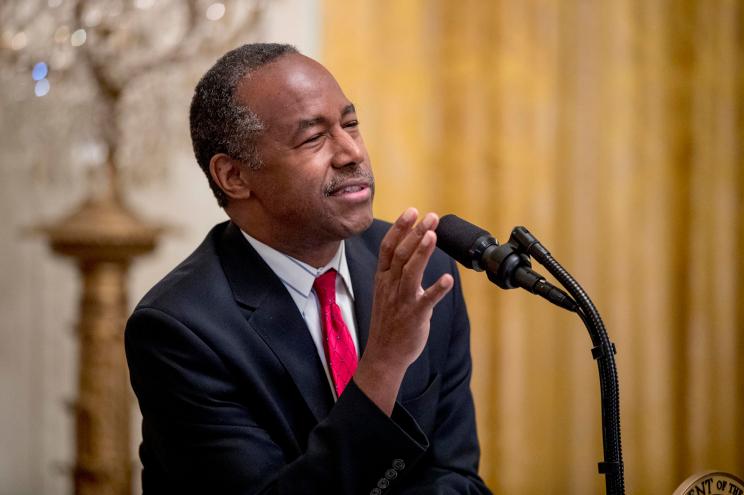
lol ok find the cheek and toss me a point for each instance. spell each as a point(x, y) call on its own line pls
point(307, 181)
point(295, 180)
point(301, 194)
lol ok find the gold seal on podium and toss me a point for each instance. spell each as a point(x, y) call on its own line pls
point(711, 483)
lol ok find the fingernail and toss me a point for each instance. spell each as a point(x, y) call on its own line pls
point(428, 221)
point(409, 214)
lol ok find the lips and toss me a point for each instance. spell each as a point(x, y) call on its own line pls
point(350, 187)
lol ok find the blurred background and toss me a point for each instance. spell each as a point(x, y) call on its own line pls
point(612, 129)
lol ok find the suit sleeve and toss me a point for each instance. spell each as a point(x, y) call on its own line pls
point(200, 439)
point(450, 465)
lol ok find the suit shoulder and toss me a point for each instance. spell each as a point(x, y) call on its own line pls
point(191, 280)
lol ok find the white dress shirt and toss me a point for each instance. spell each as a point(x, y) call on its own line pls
point(298, 278)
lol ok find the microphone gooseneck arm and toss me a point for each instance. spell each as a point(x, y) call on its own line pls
point(508, 266)
point(603, 352)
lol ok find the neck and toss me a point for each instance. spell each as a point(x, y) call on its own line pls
point(315, 256)
point(314, 253)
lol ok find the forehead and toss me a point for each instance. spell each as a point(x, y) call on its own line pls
point(292, 88)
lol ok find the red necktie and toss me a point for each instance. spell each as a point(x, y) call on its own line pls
point(339, 348)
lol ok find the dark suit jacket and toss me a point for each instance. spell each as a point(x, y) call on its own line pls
point(235, 400)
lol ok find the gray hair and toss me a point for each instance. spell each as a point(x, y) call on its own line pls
point(219, 123)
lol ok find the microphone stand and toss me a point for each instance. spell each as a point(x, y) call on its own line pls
point(603, 352)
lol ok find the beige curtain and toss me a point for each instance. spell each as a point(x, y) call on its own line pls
point(613, 130)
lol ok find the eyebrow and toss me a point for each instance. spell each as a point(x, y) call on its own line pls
point(348, 109)
point(307, 123)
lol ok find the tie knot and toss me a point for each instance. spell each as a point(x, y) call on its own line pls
point(325, 286)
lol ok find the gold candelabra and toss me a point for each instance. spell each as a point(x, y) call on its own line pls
point(111, 48)
point(103, 237)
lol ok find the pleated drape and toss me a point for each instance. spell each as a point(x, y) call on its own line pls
point(613, 131)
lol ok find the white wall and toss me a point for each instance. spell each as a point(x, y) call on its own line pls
point(39, 291)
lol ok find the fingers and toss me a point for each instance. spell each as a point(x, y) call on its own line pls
point(411, 242)
point(393, 237)
point(438, 290)
point(405, 252)
point(413, 270)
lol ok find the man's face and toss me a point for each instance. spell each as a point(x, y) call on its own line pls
point(315, 184)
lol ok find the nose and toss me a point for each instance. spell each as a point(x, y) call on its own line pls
point(348, 150)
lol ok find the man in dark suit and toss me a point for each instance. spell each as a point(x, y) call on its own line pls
point(303, 347)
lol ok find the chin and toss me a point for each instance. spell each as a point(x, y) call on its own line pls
point(356, 225)
point(365, 225)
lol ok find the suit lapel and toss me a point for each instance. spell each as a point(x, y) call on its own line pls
point(362, 265)
point(275, 318)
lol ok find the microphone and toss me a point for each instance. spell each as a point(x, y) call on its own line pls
point(505, 265)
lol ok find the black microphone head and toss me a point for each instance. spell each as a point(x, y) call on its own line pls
point(462, 240)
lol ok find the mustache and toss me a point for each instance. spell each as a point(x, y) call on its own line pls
point(339, 180)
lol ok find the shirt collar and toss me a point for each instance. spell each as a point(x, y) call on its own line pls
point(298, 275)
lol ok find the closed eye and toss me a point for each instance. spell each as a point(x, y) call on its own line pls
point(351, 124)
point(313, 139)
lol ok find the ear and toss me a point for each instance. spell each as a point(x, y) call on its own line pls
point(231, 175)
